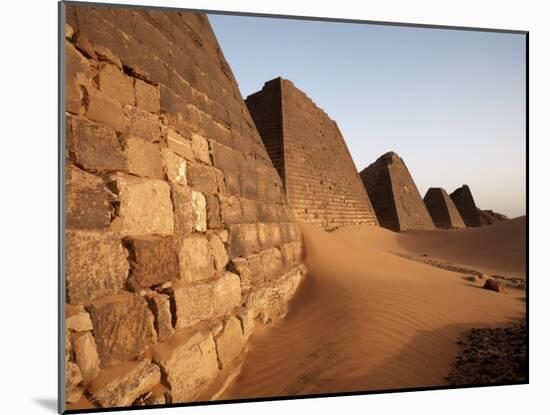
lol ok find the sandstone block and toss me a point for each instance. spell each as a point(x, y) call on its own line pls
point(184, 216)
point(218, 252)
point(175, 167)
point(179, 144)
point(241, 267)
point(200, 148)
point(291, 254)
point(147, 96)
point(192, 304)
point(145, 206)
point(69, 31)
point(131, 381)
point(160, 304)
point(202, 178)
point(230, 342)
point(243, 240)
point(230, 209)
point(106, 55)
point(153, 260)
point(73, 379)
point(246, 316)
point(78, 73)
point(226, 293)
point(198, 202)
point(144, 158)
point(83, 44)
point(272, 263)
point(265, 237)
point(123, 327)
point(195, 259)
point(213, 214)
point(105, 110)
point(493, 285)
point(249, 211)
point(190, 368)
point(232, 183)
point(142, 124)
point(115, 84)
point(256, 266)
point(88, 200)
point(96, 147)
point(96, 265)
point(249, 186)
point(86, 356)
point(79, 322)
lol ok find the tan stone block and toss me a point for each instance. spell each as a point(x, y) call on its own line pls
point(86, 356)
point(195, 259)
point(213, 214)
point(144, 158)
point(246, 316)
point(256, 266)
point(192, 304)
point(243, 240)
point(153, 260)
point(160, 304)
point(142, 124)
point(202, 178)
point(200, 148)
point(218, 252)
point(241, 267)
point(147, 96)
point(123, 327)
point(198, 202)
point(96, 147)
point(105, 110)
point(73, 378)
point(226, 293)
point(126, 384)
point(88, 200)
point(190, 368)
point(272, 263)
point(179, 144)
point(106, 55)
point(249, 211)
point(230, 341)
point(96, 265)
point(115, 84)
point(79, 322)
point(175, 167)
point(230, 209)
point(78, 73)
point(69, 31)
point(184, 219)
point(145, 206)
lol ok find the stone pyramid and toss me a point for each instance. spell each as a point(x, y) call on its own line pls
point(179, 235)
point(464, 202)
point(394, 196)
point(442, 209)
point(311, 156)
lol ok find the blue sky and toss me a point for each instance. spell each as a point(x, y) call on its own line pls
point(451, 103)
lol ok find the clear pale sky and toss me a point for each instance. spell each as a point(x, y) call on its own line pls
point(451, 103)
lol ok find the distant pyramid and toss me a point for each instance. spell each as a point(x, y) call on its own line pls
point(465, 204)
point(442, 209)
point(311, 156)
point(394, 195)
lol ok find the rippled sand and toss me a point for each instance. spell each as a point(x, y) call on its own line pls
point(366, 319)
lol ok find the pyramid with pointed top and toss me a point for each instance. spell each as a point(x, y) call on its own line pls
point(442, 209)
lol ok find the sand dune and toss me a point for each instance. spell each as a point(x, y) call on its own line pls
point(366, 319)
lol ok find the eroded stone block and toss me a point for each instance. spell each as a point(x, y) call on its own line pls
point(145, 206)
point(86, 356)
point(184, 217)
point(105, 110)
point(243, 240)
point(115, 84)
point(193, 304)
point(142, 124)
point(175, 167)
point(200, 148)
point(79, 322)
point(147, 96)
point(230, 341)
point(199, 210)
point(144, 158)
point(226, 293)
point(123, 327)
point(195, 259)
point(202, 178)
point(153, 260)
point(96, 265)
point(160, 305)
point(218, 252)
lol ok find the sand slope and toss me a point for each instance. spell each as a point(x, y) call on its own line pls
point(366, 319)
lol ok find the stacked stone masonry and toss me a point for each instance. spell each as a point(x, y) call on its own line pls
point(394, 195)
point(179, 236)
point(464, 201)
point(442, 209)
point(311, 156)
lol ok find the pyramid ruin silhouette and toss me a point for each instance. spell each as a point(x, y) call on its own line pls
point(394, 196)
point(464, 201)
point(442, 209)
point(311, 156)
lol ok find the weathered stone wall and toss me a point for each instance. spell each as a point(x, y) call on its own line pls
point(310, 154)
point(178, 233)
point(464, 201)
point(394, 195)
point(442, 209)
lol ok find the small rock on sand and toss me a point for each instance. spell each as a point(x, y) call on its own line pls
point(493, 285)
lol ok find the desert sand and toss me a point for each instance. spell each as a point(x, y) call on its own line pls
point(367, 318)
